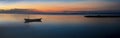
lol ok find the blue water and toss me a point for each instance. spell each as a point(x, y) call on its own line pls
point(58, 26)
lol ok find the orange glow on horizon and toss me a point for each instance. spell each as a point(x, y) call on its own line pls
point(56, 6)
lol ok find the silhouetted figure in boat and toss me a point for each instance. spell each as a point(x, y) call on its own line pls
point(33, 20)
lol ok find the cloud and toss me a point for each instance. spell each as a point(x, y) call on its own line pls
point(14, 1)
point(38, 0)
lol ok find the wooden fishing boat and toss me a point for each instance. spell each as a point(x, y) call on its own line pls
point(32, 20)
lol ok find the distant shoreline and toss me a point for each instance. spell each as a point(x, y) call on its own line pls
point(61, 14)
point(45, 14)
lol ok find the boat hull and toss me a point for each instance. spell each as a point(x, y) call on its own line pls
point(32, 20)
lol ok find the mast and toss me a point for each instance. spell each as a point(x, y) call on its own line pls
point(27, 15)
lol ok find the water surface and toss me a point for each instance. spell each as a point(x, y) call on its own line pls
point(58, 26)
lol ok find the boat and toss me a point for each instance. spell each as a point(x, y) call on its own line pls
point(32, 20)
point(28, 20)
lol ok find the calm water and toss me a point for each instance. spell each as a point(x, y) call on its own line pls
point(58, 26)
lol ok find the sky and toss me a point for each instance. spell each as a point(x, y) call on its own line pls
point(61, 5)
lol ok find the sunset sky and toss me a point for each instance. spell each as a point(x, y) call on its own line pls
point(61, 5)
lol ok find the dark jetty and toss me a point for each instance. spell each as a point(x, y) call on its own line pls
point(32, 20)
point(101, 16)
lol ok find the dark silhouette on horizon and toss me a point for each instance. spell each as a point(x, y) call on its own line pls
point(100, 16)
